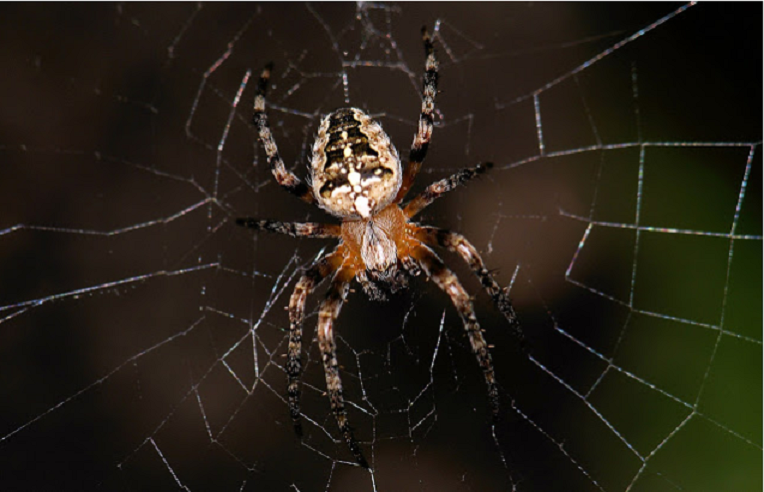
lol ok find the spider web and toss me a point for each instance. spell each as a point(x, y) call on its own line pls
point(142, 333)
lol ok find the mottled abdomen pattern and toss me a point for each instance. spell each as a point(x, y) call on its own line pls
point(355, 168)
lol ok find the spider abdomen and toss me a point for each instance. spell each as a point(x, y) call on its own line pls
point(355, 168)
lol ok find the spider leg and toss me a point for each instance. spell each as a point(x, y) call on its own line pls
point(294, 229)
point(327, 313)
point(370, 288)
point(285, 178)
point(439, 188)
point(312, 277)
point(424, 131)
point(458, 244)
point(449, 283)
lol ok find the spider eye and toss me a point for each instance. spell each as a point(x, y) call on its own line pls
point(355, 168)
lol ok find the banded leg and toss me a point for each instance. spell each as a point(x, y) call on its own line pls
point(327, 313)
point(460, 245)
point(424, 130)
point(447, 281)
point(294, 229)
point(285, 178)
point(371, 289)
point(312, 277)
point(439, 188)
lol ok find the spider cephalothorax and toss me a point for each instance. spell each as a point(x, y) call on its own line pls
point(356, 175)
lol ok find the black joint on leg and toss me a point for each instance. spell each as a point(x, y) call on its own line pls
point(297, 424)
point(443, 236)
point(359, 457)
point(294, 369)
point(294, 411)
point(252, 223)
point(258, 119)
point(483, 167)
point(273, 159)
point(263, 225)
point(347, 433)
point(300, 190)
point(418, 153)
point(262, 83)
point(431, 78)
point(428, 47)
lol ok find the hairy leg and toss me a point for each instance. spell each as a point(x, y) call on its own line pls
point(447, 281)
point(312, 277)
point(285, 178)
point(371, 289)
point(460, 245)
point(439, 188)
point(424, 130)
point(294, 229)
point(327, 314)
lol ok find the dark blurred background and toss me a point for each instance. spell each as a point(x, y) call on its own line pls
point(127, 355)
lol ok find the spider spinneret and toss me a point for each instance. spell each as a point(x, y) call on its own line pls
point(356, 174)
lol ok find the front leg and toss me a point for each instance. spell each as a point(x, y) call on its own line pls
point(440, 188)
point(424, 129)
point(285, 178)
point(294, 229)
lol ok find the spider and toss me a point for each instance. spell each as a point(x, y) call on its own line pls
point(356, 175)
